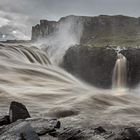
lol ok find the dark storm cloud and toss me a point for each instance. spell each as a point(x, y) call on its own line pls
point(20, 15)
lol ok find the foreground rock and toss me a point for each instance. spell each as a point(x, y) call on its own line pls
point(99, 133)
point(51, 129)
point(18, 111)
point(30, 129)
point(4, 120)
point(18, 131)
point(19, 126)
point(44, 126)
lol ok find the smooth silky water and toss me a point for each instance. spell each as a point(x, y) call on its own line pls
point(28, 76)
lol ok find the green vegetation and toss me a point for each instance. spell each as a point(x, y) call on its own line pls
point(122, 41)
point(112, 30)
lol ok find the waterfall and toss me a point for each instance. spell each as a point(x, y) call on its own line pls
point(119, 78)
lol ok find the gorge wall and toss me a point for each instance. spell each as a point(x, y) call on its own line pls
point(91, 61)
point(95, 65)
point(97, 31)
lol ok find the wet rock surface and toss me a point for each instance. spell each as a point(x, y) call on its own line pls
point(4, 120)
point(95, 65)
point(133, 66)
point(19, 126)
point(52, 129)
point(18, 131)
point(44, 126)
point(18, 111)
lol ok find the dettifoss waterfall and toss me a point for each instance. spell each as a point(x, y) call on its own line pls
point(119, 78)
point(28, 76)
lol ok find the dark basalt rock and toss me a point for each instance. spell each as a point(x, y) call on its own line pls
point(44, 126)
point(48, 129)
point(18, 111)
point(18, 126)
point(4, 120)
point(71, 133)
point(131, 133)
point(18, 131)
point(133, 57)
point(93, 65)
point(99, 130)
point(99, 133)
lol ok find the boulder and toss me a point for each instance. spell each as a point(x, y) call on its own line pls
point(4, 120)
point(44, 126)
point(18, 111)
point(99, 130)
point(18, 131)
point(131, 133)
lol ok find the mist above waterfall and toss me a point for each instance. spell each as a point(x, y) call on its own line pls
point(67, 34)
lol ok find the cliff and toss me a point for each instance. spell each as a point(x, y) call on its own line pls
point(95, 65)
point(92, 65)
point(43, 29)
point(91, 61)
point(97, 31)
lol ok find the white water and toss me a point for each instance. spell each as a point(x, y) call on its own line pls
point(119, 78)
point(67, 34)
point(27, 76)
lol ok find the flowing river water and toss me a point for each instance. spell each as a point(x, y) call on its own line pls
point(27, 76)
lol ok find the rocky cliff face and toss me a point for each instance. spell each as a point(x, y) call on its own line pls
point(97, 31)
point(43, 29)
point(95, 65)
point(133, 67)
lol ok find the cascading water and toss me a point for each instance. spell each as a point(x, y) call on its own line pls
point(28, 76)
point(119, 78)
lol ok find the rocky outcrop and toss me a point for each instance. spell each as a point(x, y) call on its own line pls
point(18, 111)
point(21, 127)
point(95, 65)
point(43, 29)
point(97, 31)
point(51, 129)
point(133, 66)
point(18, 131)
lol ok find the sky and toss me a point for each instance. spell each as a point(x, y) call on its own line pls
point(18, 16)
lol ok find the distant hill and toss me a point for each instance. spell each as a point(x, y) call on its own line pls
point(97, 31)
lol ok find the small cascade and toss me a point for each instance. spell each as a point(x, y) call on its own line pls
point(25, 54)
point(119, 78)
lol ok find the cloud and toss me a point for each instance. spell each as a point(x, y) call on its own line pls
point(14, 26)
point(3, 21)
point(20, 15)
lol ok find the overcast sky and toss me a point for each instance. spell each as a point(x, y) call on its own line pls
point(17, 16)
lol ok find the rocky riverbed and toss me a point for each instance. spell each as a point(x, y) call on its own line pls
point(19, 125)
point(60, 106)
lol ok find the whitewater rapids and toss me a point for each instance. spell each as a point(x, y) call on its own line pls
point(27, 76)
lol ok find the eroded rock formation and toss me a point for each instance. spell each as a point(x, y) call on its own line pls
point(97, 31)
point(95, 65)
